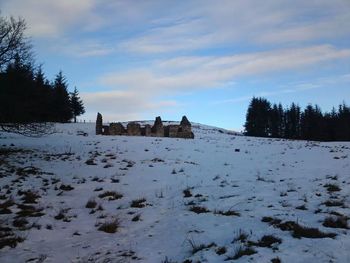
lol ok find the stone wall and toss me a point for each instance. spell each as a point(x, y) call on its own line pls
point(133, 129)
point(116, 129)
point(184, 130)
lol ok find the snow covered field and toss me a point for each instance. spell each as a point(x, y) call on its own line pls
point(74, 198)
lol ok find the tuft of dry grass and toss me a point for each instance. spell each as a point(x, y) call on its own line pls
point(187, 193)
point(110, 226)
point(227, 213)
point(112, 195)
point(199, 209)
point(339, 221)
point(332, 187)
point(242, 251)
point(297, 230)
point(91, 203)
point(138, 203)
point(266, 241)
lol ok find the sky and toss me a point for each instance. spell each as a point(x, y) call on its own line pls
point(206, 59)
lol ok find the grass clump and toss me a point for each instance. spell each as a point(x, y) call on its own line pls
point(90, 162)
point(336, 222)
point(332, 187)
point(199, 209)
point(196, 248)
point(330, 203)
point(110, 226)
point(136, 218)
point(112, 195)
point(227, 213)
point(241, 236)
point(29, 211)
point(242, 251)
point(4, 207)
point(187, 193)
point(29, 197)
point(67, 187)
point(138, 203)
point(266, 241)
point(297, 231)
point(8, 238)
point(91, 203)
point(20, 222)
point(221, 250)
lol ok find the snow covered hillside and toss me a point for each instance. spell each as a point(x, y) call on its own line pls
point(75, 197)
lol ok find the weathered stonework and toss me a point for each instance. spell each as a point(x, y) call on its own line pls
point(158, 128)
point(105, 130)
point(116, 129)
point(184, 130)
point(99, 124)
point(134, 129)
point(147, 130)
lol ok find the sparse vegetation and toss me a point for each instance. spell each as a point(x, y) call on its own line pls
point(136, 218)
point(109, 226)
point(336, 222)
point(297, 230)
point(242, 251)
point(266, 241)
point(111, 195)
point(221, 250)
point(241, 236)
point(91, 203)
point(332, 187)
point(199, 209)
point(196, 248)
point(29, 197)
point(138, 203)
point(334, 203)
point(187, 193)
point(227, 213)
point(67, 187)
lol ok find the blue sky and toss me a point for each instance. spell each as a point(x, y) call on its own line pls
point(134, 60)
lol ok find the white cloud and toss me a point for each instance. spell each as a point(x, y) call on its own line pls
point(290, 88)
point(124, 105)
point(193, 73)
point(82, 49)
point(51, 18)
point(202, 24)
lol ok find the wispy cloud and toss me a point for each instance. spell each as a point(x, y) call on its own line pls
point(51, 18)
point(290, 88)
point(193, 73)
point(123, 105)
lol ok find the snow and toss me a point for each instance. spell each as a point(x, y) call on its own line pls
point(255, 177)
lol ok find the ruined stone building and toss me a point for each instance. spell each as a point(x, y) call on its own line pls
point(183, 130)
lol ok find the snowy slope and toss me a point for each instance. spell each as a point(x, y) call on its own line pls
point(239, 189)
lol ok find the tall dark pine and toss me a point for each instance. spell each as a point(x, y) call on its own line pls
point(292, 122)
point(77, 105)
point(276, 120)
point(258, 118)
point(61, 100)
point(343, 123)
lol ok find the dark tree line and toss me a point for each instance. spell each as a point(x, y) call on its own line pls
point(264, 119)
point(26, 95)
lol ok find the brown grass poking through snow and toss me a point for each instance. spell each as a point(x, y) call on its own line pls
point(109, 226)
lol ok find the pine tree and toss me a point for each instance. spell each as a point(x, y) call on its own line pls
point(77, 105)
point(61, 101)
point(257, 118)
point(292, 122)
point(275, 122)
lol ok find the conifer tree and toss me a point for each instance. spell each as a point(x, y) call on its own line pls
point(61, 100)
point(77, 105)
